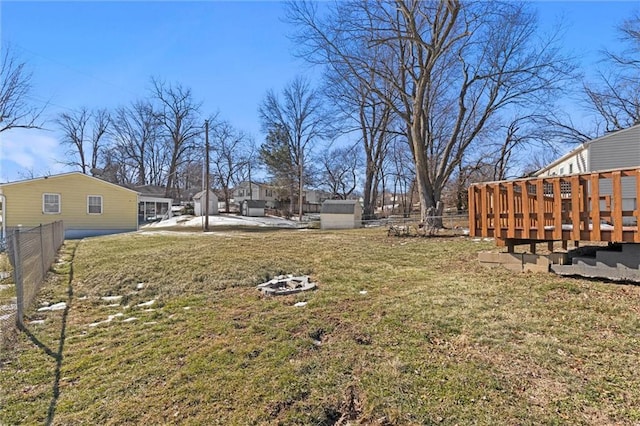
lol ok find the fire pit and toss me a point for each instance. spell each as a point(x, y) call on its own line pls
point(286, 284)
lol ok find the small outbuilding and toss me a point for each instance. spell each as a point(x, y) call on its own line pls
point(253, 208)
point(341, 214)
point(199, 203)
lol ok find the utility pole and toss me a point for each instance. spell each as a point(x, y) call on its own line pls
point(206, 185)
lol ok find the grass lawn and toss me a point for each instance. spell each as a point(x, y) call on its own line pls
point(400, 331)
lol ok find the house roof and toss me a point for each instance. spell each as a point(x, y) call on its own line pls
point(200, 194)
point(339, 206)
point(582, 147)
point(255, 204)
point(78, 174)
point(149, 190)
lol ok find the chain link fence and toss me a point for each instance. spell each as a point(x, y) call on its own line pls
point(31, 253)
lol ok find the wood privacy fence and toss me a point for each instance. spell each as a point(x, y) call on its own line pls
point(31, 253)
point(599, 206)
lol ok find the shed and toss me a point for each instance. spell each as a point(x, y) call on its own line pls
point(253, 208)
point(341, 214)
point(88, 206)
point(199, 203)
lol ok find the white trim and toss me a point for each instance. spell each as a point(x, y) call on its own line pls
point(101, 204)
point(44, 210)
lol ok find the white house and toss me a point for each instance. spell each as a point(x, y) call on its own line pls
point(255, 191)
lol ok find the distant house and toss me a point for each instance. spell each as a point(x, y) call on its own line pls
point(88, 206)
point(314, 196)
point(341, 214)
point(615, 150)
point(255, 191)
point(199, 203)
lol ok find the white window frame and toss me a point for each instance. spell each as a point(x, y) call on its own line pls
point(44, 209)
point(89, 205)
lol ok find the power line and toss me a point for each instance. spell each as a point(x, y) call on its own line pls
point(77, 71)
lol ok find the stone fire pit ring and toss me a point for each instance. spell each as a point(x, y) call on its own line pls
point(286, 284)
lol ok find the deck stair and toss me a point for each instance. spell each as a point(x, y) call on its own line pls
point(619, 262)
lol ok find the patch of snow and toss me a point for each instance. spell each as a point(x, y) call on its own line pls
point(83, 298)
point(299, 304)
point(113, 305)
point(186, 308)
point(140, 286)
point(150, 323)
point(129, 319)
point(222, 220)
point(55, 307)
point(58, 306)
point(5, 317)
point(109, 319)
point(36, 322)
point(144, 304)
point(5, 286)
point(111, 298)
point(363, 291)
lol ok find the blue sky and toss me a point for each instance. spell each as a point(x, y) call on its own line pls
point(102, 54)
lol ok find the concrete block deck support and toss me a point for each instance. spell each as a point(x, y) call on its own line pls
point(522, 262)
point(616, 265)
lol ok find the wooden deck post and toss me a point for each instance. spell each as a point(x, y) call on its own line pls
point(617, 206)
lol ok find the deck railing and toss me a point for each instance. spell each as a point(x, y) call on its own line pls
point(580, 207)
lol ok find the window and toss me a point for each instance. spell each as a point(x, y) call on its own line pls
point(94, 204)
point(269, 192)
point(571, 168)
point(51, 203)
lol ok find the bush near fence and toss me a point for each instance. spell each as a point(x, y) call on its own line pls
point(31, 253)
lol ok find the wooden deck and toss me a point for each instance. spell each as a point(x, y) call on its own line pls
point(583, 207)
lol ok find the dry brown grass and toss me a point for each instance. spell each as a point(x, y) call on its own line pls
point(436, 339)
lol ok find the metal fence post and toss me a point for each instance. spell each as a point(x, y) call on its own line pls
point(42, 259)
point(17, 275)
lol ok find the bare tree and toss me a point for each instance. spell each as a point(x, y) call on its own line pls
point(231, 154)
point(135, 132)
point(340, 168)
point(371, 116)
point(301, 119)
point(84, 133)
point(400, 168)
point(15, 86)
point(453, 67)
point(615, 96)
point(179, 118)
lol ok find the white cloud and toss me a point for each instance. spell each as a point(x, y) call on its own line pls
point(25, 152)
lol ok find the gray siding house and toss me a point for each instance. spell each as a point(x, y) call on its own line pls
point(615, 150)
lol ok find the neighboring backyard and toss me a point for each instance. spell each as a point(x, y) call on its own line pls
point(169, 328)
